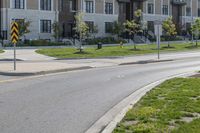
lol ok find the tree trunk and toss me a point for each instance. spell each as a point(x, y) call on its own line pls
point(196, 43)
point(168, 45)
point(80, 47)
point(134, 43)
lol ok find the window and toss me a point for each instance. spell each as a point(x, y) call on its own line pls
point(108, 27)
point(18, 4)
point(89, 6)
point(109, 8)
point(45, 26)
point(198, 12)
point(150, 8)
point(61, 5)
point(150, 25)
point(90, 25)
point(72, 4)
point(45, 5)
point(188, 11)
point(165, 9)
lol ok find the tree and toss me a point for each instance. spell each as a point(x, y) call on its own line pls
point(81, 28)
point(169, 28)
point(117, 29)
point(138, 15)
point(23, 27)
point(95, 30)
point(196, 29)
point(132, 28)
point(56, 30)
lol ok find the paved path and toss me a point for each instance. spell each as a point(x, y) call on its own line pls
point(25, 54)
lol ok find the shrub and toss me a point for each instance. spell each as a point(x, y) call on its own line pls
point(105, 40)
point(38, 43)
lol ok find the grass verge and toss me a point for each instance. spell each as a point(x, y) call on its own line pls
point(1, 51)
point(173, 107)
point(112, 51)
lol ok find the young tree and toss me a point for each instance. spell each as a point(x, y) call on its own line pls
point(169, 28)
point(117, 29)
point(132, 28)
point(95, 31)
point(196, 29)
point(56, 30)
point(138, 15)
point(23, 27)
point(81, 28)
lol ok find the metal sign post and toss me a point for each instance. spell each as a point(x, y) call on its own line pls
point(14, 56)
point(158, 33)
point(14, 39)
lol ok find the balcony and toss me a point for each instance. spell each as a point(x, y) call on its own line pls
point(179, 2)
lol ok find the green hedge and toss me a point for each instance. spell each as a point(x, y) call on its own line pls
point(95, 41)
point(166, 38)
point(38, 43)
point(44, 43)
point(105, 40)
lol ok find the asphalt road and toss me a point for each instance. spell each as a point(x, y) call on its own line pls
point(71, 102)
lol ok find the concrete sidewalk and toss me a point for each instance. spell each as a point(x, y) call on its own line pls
point(25, 55)
point(38, 68)
point(35, 64)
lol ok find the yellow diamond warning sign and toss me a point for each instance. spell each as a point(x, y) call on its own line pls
point(14, 32)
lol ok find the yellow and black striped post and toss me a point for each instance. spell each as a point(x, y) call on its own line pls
point(14, 38)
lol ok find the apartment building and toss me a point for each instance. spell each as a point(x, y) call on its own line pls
point(41, 14)
point(99, 13)
point(183, 11)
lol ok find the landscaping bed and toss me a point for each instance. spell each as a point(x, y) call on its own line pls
point(113, 51)
point(172, 107)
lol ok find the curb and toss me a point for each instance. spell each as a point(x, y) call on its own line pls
point(73, 69)
point(43, 72)
point(145, 62)
point(108, 122)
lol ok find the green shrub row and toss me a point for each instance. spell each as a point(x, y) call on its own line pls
point(105, 40)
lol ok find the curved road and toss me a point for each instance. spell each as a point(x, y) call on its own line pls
point(71, 102)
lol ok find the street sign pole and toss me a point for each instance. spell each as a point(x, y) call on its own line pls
point(14, 39)
point(158, 42)
point(15, 56)
point(158, 33)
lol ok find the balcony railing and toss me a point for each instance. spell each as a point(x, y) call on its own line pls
point(179, 2)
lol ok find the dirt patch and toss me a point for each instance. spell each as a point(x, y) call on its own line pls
point(129, 123)
point(196, 76)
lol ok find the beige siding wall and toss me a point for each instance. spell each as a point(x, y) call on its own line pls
point(6, 3)
point(30, 4)
point(33, 4)
point(116, 11)
point(99, 6)
point(195, 7)
point(158, 9)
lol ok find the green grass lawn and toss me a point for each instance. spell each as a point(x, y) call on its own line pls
point(112, 51)
point(1, 51)
point(172, 107)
